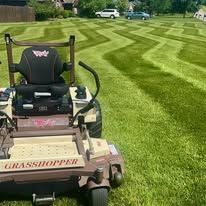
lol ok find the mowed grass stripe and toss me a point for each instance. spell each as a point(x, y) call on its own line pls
point(192, 31)
point(15, 30)
point(93, 39)
point(164, 164)
point(192, 25)
point(193, 49)
point(192, 52)
point(165, 55)
point(157, 84)
point(182, 38)
point(134, 105)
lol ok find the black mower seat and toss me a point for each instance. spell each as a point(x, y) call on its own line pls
point(41, 67)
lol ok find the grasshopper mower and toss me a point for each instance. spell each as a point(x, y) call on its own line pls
point(50, 131)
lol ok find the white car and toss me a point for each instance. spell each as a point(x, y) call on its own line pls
point(108, 13)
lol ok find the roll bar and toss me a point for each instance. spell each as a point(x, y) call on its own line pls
point(71, 44)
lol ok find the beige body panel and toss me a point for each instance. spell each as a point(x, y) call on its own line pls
point(78, 104)
point(49, 152)
point(101, 148)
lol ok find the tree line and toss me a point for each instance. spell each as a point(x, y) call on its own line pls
point(88, 7)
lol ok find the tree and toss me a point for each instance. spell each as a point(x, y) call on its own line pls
point(121, 5)
point(152, 6)
point(89, 7)
point(203, 2)
point(162, 6)
point(186, 4)
point(182, 6)
point(141, 5)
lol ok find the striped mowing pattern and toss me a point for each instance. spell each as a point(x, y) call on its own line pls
point(153, 98)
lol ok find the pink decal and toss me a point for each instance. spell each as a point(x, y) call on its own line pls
point(43, 122)
point(40, 53)
point(100, 160)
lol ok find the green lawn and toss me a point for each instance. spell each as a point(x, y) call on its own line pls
point(153, 98)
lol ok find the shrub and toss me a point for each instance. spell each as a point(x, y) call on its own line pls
point(66, 13)
point(44, 10)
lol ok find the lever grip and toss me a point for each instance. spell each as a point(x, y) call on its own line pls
point(96, 77)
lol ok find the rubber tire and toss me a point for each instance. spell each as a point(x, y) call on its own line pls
point(98, 15)
point(129, 18)
point(112, 17)
point(143, 18)
point(95, 128)
point(98, 197)
point(2, 122)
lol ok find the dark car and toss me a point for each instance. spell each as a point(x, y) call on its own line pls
point(137, 15)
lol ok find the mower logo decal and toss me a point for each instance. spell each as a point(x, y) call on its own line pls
point(40, 53)
point(41, 123)
point(113, 150)
point(41, 164)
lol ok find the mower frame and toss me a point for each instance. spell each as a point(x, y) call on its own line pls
point(95, 163)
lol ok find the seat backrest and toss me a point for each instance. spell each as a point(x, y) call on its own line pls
point(40, 65)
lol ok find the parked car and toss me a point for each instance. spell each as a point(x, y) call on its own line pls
point(137, 15)
point(108, 13)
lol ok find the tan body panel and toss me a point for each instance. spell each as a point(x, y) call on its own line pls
point(78, 104)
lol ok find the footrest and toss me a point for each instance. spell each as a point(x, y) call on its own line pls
point(43, 199)
point(42, 153)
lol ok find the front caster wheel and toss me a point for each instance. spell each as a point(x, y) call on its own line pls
point(98, 197)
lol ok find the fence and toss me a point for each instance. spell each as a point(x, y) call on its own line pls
point(16, 14)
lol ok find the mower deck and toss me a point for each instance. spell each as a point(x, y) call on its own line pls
point(49, 152)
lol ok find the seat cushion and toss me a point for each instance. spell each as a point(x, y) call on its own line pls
point(56, 90)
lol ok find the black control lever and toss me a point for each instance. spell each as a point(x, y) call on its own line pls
point(96, 77)
point(90, 105)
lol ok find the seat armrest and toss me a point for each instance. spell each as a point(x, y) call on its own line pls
point(67, 66)
point(13, 68)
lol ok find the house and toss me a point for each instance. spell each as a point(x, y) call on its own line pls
point(70, 5)
point(201, 14)
point(66, 4)
point(18, 11)
point(13, 2)
point(132, 4)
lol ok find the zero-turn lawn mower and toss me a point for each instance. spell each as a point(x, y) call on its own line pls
point(50, 132)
